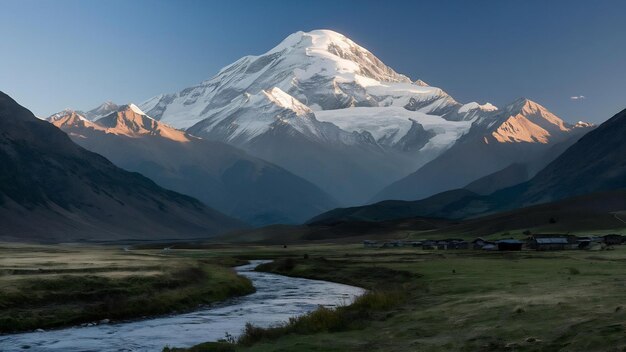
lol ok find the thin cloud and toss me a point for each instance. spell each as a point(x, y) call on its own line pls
point(577, 97)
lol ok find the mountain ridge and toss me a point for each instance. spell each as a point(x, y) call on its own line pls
point(54, 190)
point(220, 175)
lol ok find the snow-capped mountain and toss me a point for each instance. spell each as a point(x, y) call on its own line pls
point(523, 132)
point(355, 122)
point(322, 69)
point(218, 174)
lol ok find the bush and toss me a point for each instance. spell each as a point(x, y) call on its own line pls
point(287, 264)
point(574, 271)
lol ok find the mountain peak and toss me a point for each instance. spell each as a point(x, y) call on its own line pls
point(323, 69)
point(318, 38)
point(71, 119)
point(102, 110)
point(327, 53)
point(129, 120)
point(526, 121)
point(132, 108)
point(526, 104)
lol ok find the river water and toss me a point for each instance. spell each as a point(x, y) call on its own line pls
point(277, 298)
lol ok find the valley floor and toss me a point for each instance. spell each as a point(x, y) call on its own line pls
point(455, 300)
point(452, 300)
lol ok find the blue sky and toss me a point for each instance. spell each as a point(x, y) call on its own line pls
point(71, 53)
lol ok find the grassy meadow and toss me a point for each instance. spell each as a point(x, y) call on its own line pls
point(455, 300)
point(53, 286)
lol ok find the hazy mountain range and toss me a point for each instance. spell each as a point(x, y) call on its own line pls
point(54, 190)
point(593, 169)
point(216, 173)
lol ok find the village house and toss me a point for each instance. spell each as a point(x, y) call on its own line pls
point(548, 243)
point(509, 245)
point(489, 246)
point(370, 244)
point(478, 243)
point(613, 239)
point(481, 243)
point(458, 244)
point(429, 244)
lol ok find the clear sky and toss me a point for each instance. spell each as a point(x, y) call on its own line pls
point(79, 53)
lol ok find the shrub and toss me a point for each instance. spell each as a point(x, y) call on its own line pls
point(574, 271)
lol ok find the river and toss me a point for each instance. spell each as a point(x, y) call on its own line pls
point(277, 298)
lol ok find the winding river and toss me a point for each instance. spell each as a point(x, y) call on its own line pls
point(277, 298)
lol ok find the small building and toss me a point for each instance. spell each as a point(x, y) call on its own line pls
point(458, 244)
point(370, 244)
point(549, 243)
point(478, 243)
point(396, 243)
point(489, 246)
point(429, 244)
point(613, 239)
point(416, 244)
point(442, 245)
point(509, 245)
point(584, 242)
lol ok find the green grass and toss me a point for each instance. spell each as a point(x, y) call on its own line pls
point(108, 286)
point(455, 301)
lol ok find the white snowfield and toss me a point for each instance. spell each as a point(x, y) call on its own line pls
point(390, 124)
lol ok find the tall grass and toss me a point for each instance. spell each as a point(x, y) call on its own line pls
point(327, 319)
point(74, 299)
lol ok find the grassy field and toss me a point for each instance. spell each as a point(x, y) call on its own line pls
point(53, 286)
point(452, 300)
point(418, 301)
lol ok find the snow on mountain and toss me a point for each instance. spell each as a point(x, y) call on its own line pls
point(583, 124)
point(322, 69)
point(251, 115)
point(104, 109)
point(475, 106)
point(390, 125)
point(328, 110)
